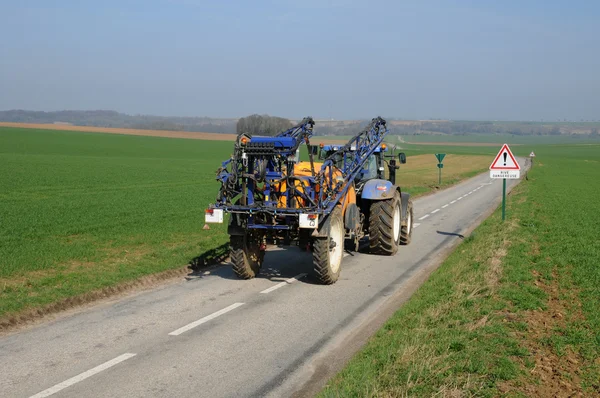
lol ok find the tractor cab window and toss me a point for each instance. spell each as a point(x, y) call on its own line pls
point(370, 168)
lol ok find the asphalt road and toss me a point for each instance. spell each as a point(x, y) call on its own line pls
point(215, 336)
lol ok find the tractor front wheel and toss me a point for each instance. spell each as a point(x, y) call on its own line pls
point(407, 225)
point(385, 220)
point(246, 255)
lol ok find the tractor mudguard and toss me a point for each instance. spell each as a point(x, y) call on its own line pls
point(377, 189)
point(405, 198)
point(352, 217)
point(324, 227)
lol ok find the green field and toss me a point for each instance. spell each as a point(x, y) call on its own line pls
point(83, 211)
point(513, 311)
point(501, 139)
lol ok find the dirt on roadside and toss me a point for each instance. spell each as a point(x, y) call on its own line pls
point(552, 375)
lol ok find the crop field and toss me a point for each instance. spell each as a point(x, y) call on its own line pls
point(513, 311)
point(470, 139)
point(86, 211)
point(420, 173)
point(191, 135)
point(83, 212)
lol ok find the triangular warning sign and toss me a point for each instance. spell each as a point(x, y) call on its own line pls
point(532, 155)
point(505, 160)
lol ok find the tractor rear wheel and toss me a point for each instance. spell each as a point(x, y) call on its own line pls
point(246, 256)
point(385, 221)
point(407, 225)
point(328, 252)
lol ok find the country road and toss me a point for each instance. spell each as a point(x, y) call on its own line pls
point(215, 336)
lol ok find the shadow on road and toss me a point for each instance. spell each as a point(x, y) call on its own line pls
point(280, 263)
point(211, 257)
point(450, 234)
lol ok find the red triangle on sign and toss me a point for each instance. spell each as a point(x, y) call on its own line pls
point(505, 160)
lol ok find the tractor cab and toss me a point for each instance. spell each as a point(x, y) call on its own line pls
point(374, 166)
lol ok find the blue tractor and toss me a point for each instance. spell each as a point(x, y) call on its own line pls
point(343, 197)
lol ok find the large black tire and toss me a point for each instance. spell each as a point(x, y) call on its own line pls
point(328, 252)
point(245, 256)
point(407, 225)
point(384, 225)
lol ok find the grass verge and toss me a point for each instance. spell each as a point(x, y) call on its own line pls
point(513, 311)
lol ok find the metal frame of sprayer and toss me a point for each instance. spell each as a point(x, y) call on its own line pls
point(260, 163)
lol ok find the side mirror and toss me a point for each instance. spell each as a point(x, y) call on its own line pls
point(402, 157)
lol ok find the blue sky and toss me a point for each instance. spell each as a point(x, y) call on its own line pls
point(510, 60)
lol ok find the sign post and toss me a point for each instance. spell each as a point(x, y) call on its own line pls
point(531, 156)
point(505, 166)
point(440, 157)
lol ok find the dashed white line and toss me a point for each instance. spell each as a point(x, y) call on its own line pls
point(459, 198)
point(424, 217)
point(435, 211)
point(470, 192)
point(415, 225)
point(446, 205)
point(453, 202)
point(285, 283)
point(82, 376)
point(205, 319)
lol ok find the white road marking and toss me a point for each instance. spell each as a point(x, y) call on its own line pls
point(446, 205)
point(415, 225)
point(453, 202)
point(205, 319)
point(424, 217)
point(82, 376)
point(470, 192)
point(286, 282)
point(459, 198)
point(435, 211)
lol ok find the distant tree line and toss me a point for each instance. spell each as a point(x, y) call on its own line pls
point(514, 128)
point(114, 119)
point(270, 125)
point(347, 129)
point(262, 125)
